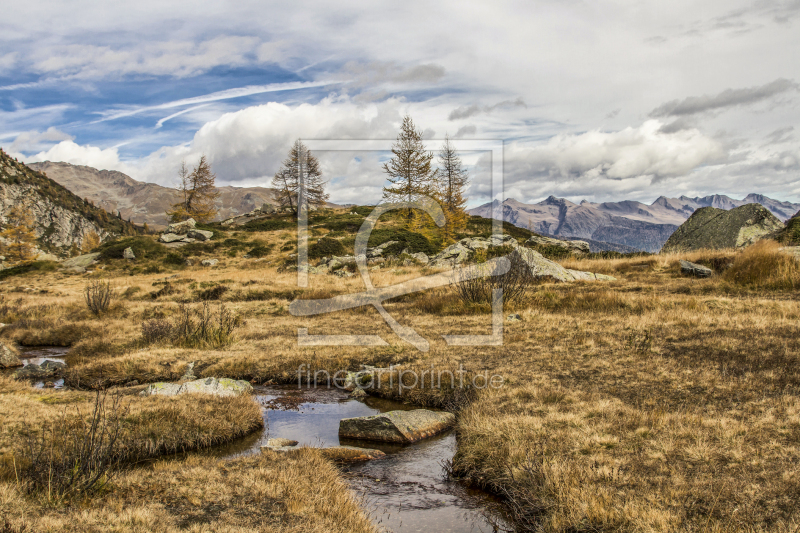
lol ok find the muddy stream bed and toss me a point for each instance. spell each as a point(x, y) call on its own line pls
point(406, 491)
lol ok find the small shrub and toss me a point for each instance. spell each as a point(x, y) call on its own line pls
point(174, 259)
point(260, 251)
point(199, 328)
point(476, 290)
point(72, 456)
point(325, 247)
point(214, 293)
point(98, 295)
point(131, 291)
point(157, 330)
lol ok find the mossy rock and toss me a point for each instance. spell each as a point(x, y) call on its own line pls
point(712, 228)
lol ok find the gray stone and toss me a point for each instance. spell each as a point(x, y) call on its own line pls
point(188, 375)
point(128, 254)
point(170, 237)
point(421, 258)
point(181, 228)
point(514, 318)
point(542, 267)
point(581, 247)
point(693, 269)
point(213, 386)
point(209, 262)
point(200, 235)
point(281, 442)
point(82, 261)
point(396, 426)
point(8, 356)
point(45, 370)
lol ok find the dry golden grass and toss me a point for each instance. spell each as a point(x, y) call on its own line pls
point(269, 494)
point(652, 403)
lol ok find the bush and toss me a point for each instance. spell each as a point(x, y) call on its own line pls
point(478, 289)
point(98, 296)
point(143, 247)
point(214, 293)
point(174, 259)
point(415, 242)
point(199, 328)
point(325, 247)
point(260, 250)
point(157, 330)
point(72, 456)
point(271, 224)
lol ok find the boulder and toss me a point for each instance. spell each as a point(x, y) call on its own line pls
point(200, 235)
point(421, 258)
point(213, 386)
point(396, 426)
point(9, 357)
point(209, 262)
point(170, 237)
point(181, 228)
point(47, 369)
point(128, 254)
point(693, 269)
point(514, 318)
point(579, 247)
point(713, 228)
point(542, 267)
point(81, 261)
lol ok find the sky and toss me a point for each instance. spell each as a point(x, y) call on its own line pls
point(602, 100)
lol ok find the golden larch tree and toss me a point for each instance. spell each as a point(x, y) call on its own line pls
point(199, 194)
point(19, 235)
point(452, 184)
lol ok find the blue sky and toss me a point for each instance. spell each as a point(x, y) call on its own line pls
point(601, 100)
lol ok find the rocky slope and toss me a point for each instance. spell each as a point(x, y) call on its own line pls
point(627, 223)
point(709, 227)
point(145, 202)
point(61, 218)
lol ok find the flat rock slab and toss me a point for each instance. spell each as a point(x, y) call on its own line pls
point(396, 426)
point(693, 269)
point(214, 386)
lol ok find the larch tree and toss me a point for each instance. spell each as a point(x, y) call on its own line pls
point(199, 194)
point(411, 175)
point(287, 179)
point(19, 235)
point(90, 241)
point(453, 182)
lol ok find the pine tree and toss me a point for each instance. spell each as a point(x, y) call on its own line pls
point(199, 194)
point(19, 235)
point(287, 182)
point(453, 181)
point(410, 173)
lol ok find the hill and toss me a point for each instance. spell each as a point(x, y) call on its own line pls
point(710, 228)
point(629, 223)
point(144, 202)
point(62, 219)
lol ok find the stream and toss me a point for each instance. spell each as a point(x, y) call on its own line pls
point(406, 491)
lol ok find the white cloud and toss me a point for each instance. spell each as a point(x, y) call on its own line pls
point(91, 156)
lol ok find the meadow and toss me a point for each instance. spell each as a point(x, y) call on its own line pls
point(656, 402)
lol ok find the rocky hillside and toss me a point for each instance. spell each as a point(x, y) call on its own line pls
point(790, 234)
point(709, 227)
point(62, 219)
point(145, 202)
point(628, 223)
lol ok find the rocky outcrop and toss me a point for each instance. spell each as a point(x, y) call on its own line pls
point(576, 247)
point(255, 214)
point(61, 219)
point(81, 261)
point(716, 228)
point(396, 426)
point(9, 358)
point(543, 268)
point(213, 386)
point(693, 269)
point(180, 233)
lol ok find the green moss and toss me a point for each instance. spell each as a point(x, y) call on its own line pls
point(36, 266)
point(325, 247)
point(143, 248)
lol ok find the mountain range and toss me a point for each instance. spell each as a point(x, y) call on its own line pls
point(142, 202)
point(629, 223)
